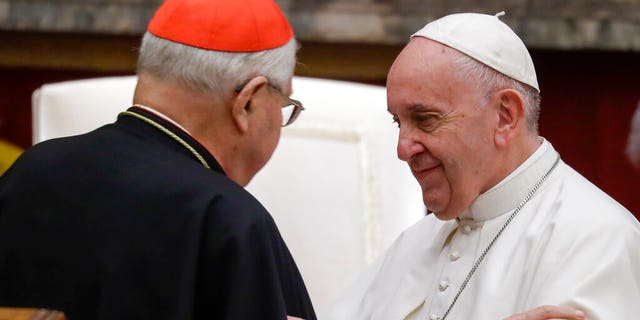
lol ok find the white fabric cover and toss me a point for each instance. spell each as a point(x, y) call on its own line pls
point(334, 185)
point(73, 107)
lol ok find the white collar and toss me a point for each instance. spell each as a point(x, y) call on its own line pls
point(161, 115)
point(508, 193)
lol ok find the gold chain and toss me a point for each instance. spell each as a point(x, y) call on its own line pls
point(170, 134)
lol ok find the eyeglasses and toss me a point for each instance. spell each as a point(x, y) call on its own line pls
point(290, 111)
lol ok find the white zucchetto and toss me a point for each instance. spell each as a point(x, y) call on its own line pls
point(486, 39)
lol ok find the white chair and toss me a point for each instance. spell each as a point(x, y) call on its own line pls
point(73, 107)
point(334, 185)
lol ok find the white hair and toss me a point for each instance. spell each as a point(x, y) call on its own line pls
point(633, 144)
point(493, 81)
point(215, 72)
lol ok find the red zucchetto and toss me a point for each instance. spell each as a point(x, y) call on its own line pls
point(222, 25)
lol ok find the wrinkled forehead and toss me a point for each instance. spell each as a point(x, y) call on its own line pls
point(426, 74)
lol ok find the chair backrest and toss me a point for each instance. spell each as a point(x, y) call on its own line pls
point(73, 107)
point(8, 313)
point(334, 185)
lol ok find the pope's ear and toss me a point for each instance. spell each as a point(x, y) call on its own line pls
point(511, 116)
point(244, 100)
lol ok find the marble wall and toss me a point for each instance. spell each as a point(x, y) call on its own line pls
point(558, 24)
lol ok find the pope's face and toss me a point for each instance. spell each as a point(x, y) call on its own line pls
point(445, 126)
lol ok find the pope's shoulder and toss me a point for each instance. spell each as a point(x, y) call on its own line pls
point(582, 204)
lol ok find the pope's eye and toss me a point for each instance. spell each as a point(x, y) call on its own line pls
point(427, 121)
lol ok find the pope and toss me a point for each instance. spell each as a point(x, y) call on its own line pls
point(513, 226)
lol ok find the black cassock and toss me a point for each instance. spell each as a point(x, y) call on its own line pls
point(126, 223)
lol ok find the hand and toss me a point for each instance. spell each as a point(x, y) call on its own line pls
point(549, 313)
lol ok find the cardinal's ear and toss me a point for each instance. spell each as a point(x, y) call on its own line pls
point(244, 101)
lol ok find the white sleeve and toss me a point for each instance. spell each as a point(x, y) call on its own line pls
point(597, 270)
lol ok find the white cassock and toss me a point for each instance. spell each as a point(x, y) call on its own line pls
point(570, 244)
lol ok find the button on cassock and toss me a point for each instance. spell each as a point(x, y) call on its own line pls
point(443, 285)
point(434, 317)
point(454, 256)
